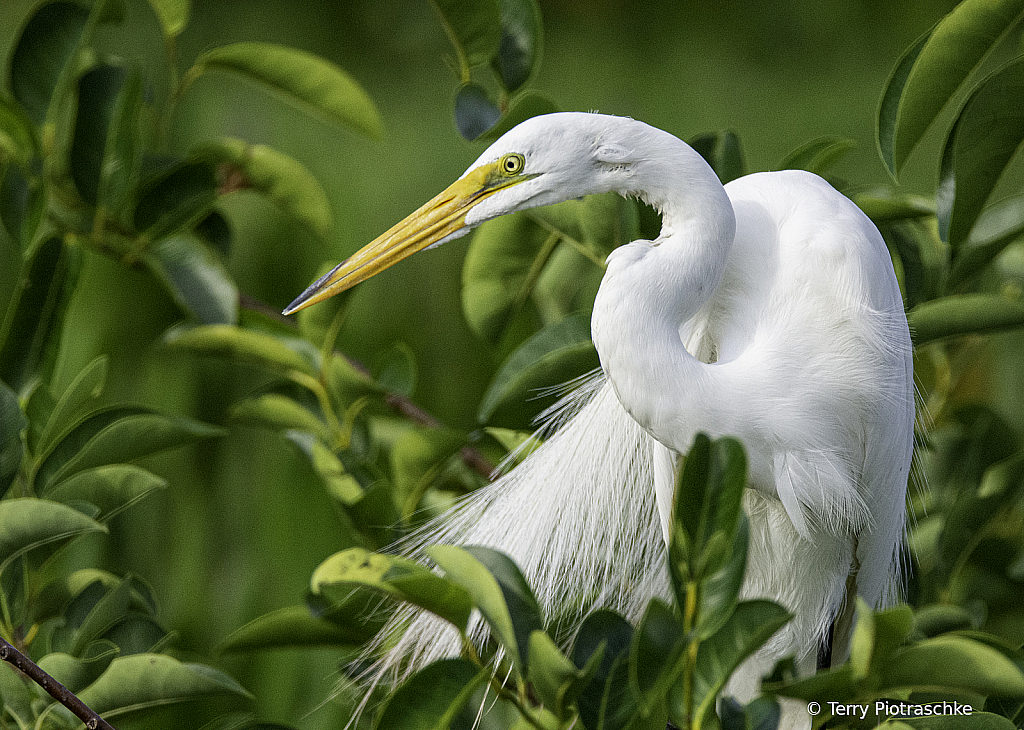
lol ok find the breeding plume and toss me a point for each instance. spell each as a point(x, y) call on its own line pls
point(767, 310)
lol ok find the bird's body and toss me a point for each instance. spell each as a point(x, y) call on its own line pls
point(766, 309)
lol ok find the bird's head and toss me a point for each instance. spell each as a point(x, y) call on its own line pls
point(544, 160)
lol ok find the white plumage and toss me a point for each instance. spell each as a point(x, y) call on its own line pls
point(766, 309)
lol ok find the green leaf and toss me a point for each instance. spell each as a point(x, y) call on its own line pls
point(176, 198)
point(32, 327)
point(284, 181)
point(474, 29)
point(555, 355)
point(504, 600)
point(396, 372)
point(876, 636)
point(400, 578)
point(195, 277)
point(44, 48)
point(435, 698)
point(746, 631)
point(963, 314)
point(303, 78)
point(17, 137)
point(417, 460)
point(328, 466)
point(22, 202)
point(475, 113)
point(172, 14)
point(554, 677)
point(112, 488)
point(659, 643)
point(524, 105)
point(118, 435)
point(953, 663)
point(817, 155)
point(98, 92)
point(886, 207)
point(722, 151)
point(121, 160)
point(720, 590)
point(110, 609)
point(27, 523)
point(518, 53)
point(12, 447)
point(278, 412)
point(976, 721)
point(998, 226)
point(987, 134)
point(606, 702)
point(930, 71)
point(78, 673)
point(86, 387)
point(291, 627)
point(277, 354)
point(145, 682)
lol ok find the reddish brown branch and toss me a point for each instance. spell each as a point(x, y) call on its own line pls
point(55, 689)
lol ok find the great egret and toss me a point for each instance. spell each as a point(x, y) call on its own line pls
point(766, 309)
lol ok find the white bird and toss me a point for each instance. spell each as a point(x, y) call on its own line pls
point(768, 310)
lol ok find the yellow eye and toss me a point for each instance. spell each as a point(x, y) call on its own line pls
point(512, 164)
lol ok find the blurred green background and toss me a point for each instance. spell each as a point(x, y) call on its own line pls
point(778, 74)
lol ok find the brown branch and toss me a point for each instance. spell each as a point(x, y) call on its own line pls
point(55, 689)
point(400, 404)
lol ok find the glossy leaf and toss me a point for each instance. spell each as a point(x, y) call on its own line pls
point(722, 151)
point(112, 488)
point(118, 435)
point(435, 698)
point(524, 105)
point(884, 207)
point(32, 327)
point(474, 29)
point(510, 624)
point(963, 314)
point(475, 113)
point(720, 589)
point(98, 92)
point(396, 372)
point(328, 466)
point(555, 355)
point(303, 78)
point(657, 654)
point(417, 459)
point(291, 627)
point(22, 202)
point(985, 138)
point(172, 14)
point(555, 678)
point(85, 388)
point(122, 154)
point(397, 577)
point(281, 179)
point(606, 702)
point(183, 194)
point(817, 155)
point(17, 137)
point(876, 636)
point(101, 616)
point(997, 227)
point(27, 523)
point(519, 48)
point(748, 628)
point(145, 682)
point(46, 45)
point(930, 71)
point(12, 447)
point(196, 278)
point(953, 663)
point(246, 346)
point(278, 412)
point(76, 673)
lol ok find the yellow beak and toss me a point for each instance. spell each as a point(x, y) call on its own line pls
point(441, 217)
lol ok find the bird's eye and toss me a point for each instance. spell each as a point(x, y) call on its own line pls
point(512, 164)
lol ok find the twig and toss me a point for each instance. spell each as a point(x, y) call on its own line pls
point(54, 688)
point(400, 404)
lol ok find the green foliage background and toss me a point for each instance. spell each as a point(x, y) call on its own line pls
point(245, 520)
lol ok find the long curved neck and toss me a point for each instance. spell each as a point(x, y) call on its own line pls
point(651, 288)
